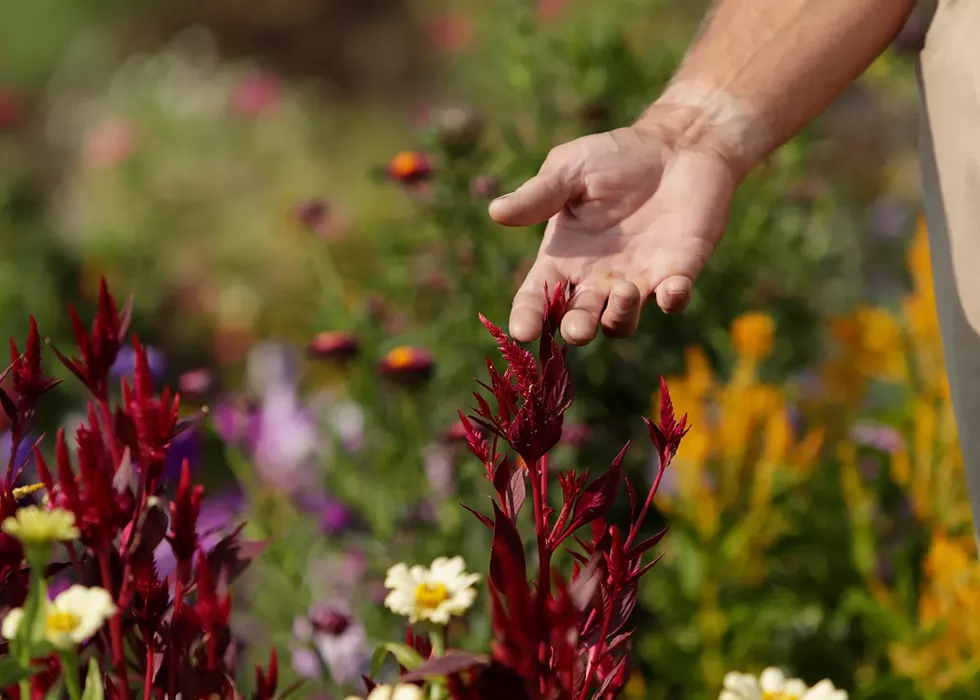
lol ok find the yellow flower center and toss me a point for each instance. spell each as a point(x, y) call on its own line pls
point(778, 695)
point(430, 595)
point(60, 621)
point(401, 357)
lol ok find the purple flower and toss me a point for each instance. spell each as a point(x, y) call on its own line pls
point(888, 218)
point(438, 463)
point(334, 515)
point(880, 437)
point(234, 422)
point(286, 442)
point(218, 517)
point(125, 363)
point(306, 663)
point(338, 638)
point(187, 445)
point(24, 456)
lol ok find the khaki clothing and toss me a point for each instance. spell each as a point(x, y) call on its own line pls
point(949, 76)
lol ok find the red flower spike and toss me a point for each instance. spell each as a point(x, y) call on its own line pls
point(184, 512)
point(148, 423)
point(266, 682)
point(29, 380)
point(551, 638)
point(98, 348)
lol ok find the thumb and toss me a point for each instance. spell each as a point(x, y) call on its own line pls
point(537, 200)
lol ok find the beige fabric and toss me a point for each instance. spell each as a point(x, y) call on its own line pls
point(949, 74)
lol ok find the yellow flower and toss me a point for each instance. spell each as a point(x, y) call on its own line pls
point(70, 619)
point(753, 335)
point(434, 594)
point(402, 691)
point(35, 525)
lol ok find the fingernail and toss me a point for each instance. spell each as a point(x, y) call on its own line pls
point(501, 198)
point(623, 303)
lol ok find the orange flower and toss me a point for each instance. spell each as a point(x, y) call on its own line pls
point(407, 363)
point(753, 335)
point(410, 167)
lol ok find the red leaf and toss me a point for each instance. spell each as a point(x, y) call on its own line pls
point(507, 558)
point(647, 544)
point(597, 498)
point(479, 516)
point(451, 663)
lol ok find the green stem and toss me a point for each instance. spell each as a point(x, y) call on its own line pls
point(69, 660)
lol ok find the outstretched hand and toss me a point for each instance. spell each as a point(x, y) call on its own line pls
point(631, 216)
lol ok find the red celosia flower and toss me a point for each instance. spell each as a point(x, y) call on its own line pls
point(184, 511)
point(267, 681)
point(29, 380)
point(558, 638)
point(339, 345)
point(99, 347)
point(530, 399)
point(147, 423)
point(410, 168)
point(102, 503)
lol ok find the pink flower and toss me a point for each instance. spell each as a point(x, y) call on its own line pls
point(256, 94)
point(109, 143)
point(451, 32)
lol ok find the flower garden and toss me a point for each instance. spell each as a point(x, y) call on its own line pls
point(264, 436)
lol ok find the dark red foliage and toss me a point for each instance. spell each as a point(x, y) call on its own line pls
point(98, 348)
point(554, 637)
point(183, 518)
point(173, 635)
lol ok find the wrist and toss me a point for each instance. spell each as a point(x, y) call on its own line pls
point(702, 118)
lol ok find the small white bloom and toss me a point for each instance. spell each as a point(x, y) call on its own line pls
point(402, 691)
point(434, 594)
point(71, 618)
point(35, 525)
point(773, 684)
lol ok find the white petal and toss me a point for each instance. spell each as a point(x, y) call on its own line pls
point(825, 690)
point(743, 685)
point(11, 622)
point(795, 688)
point(398, 576)
point(419, 574)
point(400, 602)
point(447, 570)
point(407, 691)
point(772, 680)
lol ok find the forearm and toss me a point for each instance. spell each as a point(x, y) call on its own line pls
point(763, 69)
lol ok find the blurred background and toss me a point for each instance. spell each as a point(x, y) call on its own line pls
point(294, 194)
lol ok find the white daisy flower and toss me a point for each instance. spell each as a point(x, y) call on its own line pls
point(433, 594)
point(74, 616)
point(773, 684)
point(402, 691)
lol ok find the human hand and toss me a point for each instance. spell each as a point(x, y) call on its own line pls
point(632, 215)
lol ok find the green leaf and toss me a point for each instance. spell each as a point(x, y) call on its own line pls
point(12, 672)
point(404, 654)
point(30, 634)
point(94, 686)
